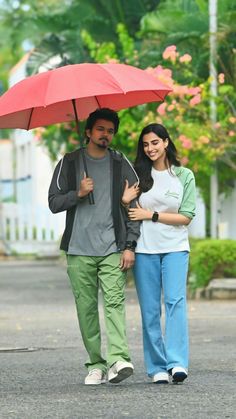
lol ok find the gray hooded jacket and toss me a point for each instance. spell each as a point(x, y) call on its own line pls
point(63, 196)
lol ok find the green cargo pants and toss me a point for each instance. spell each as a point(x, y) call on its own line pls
point(86, 274)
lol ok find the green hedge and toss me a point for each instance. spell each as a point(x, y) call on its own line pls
point(211, 259)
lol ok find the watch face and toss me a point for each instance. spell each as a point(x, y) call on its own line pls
point(155, 217)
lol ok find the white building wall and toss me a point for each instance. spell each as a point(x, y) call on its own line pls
point(227, 219)
point(24, 163)
point(6, 171)
point(33, 167)
point(197, 227)
point(43, 173)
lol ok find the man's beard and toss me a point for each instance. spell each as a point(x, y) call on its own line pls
point(103, 144)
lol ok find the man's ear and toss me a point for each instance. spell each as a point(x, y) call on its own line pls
point(87, 132)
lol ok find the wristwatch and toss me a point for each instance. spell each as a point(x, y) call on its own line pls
point(155, 216)
point(130, 245)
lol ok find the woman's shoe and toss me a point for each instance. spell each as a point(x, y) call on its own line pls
point(179, 374)
point(161, 378)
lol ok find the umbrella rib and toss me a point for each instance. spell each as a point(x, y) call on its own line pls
point(97, 101)
point(29, 122)
point(159, 97)
point(113, 78)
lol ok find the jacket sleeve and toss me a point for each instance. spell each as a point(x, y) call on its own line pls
point(60, 198)
point(133, 227)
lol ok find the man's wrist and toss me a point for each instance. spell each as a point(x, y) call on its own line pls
point(126, 206)
point(130, 245)
point(81, 195)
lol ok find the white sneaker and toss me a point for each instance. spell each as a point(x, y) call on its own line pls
point(120, 371)
point(95, 377)
point(179, 374)
point(161, 378)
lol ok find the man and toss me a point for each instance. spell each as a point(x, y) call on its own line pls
point(99, 241)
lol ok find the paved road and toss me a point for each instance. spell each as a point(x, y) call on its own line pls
point(41, 356)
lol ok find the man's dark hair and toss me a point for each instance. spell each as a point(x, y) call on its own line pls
point(103, 113)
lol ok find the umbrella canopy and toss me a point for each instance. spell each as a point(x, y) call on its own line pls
point(73, 91)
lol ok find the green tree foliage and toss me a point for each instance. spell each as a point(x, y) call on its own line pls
point(185, 23)
point(51, 27)
point(54, 28)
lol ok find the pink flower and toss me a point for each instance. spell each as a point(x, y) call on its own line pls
point(231, 133)
point(162, 108)
point(195, 100)
point(232, 119)
point(184, 160)
point(217, 125)
point(162, 74)
point(186, 142)
point(186, 58)
point(159, 71)
point(194, 90)
point(170, 53)
point(180, 90)
point(170, 108)
point(221, 78)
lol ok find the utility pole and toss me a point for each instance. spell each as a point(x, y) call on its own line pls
point(213, 112)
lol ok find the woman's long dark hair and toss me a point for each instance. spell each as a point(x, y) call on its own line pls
point(143, 165)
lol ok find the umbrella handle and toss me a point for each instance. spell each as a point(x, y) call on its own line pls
point(90, 195)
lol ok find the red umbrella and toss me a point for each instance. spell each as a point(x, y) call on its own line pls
point(73, 91)
point(46, 98)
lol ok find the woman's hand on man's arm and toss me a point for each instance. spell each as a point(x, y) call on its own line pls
point(130, 193)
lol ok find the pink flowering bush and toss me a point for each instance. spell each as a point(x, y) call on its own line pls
point(185, 113)
point(186, 58)
point(195, 100)
point(170, 53)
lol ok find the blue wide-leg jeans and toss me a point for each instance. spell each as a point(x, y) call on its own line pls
point(154, 274)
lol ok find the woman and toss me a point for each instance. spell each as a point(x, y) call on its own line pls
point(166, 207)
